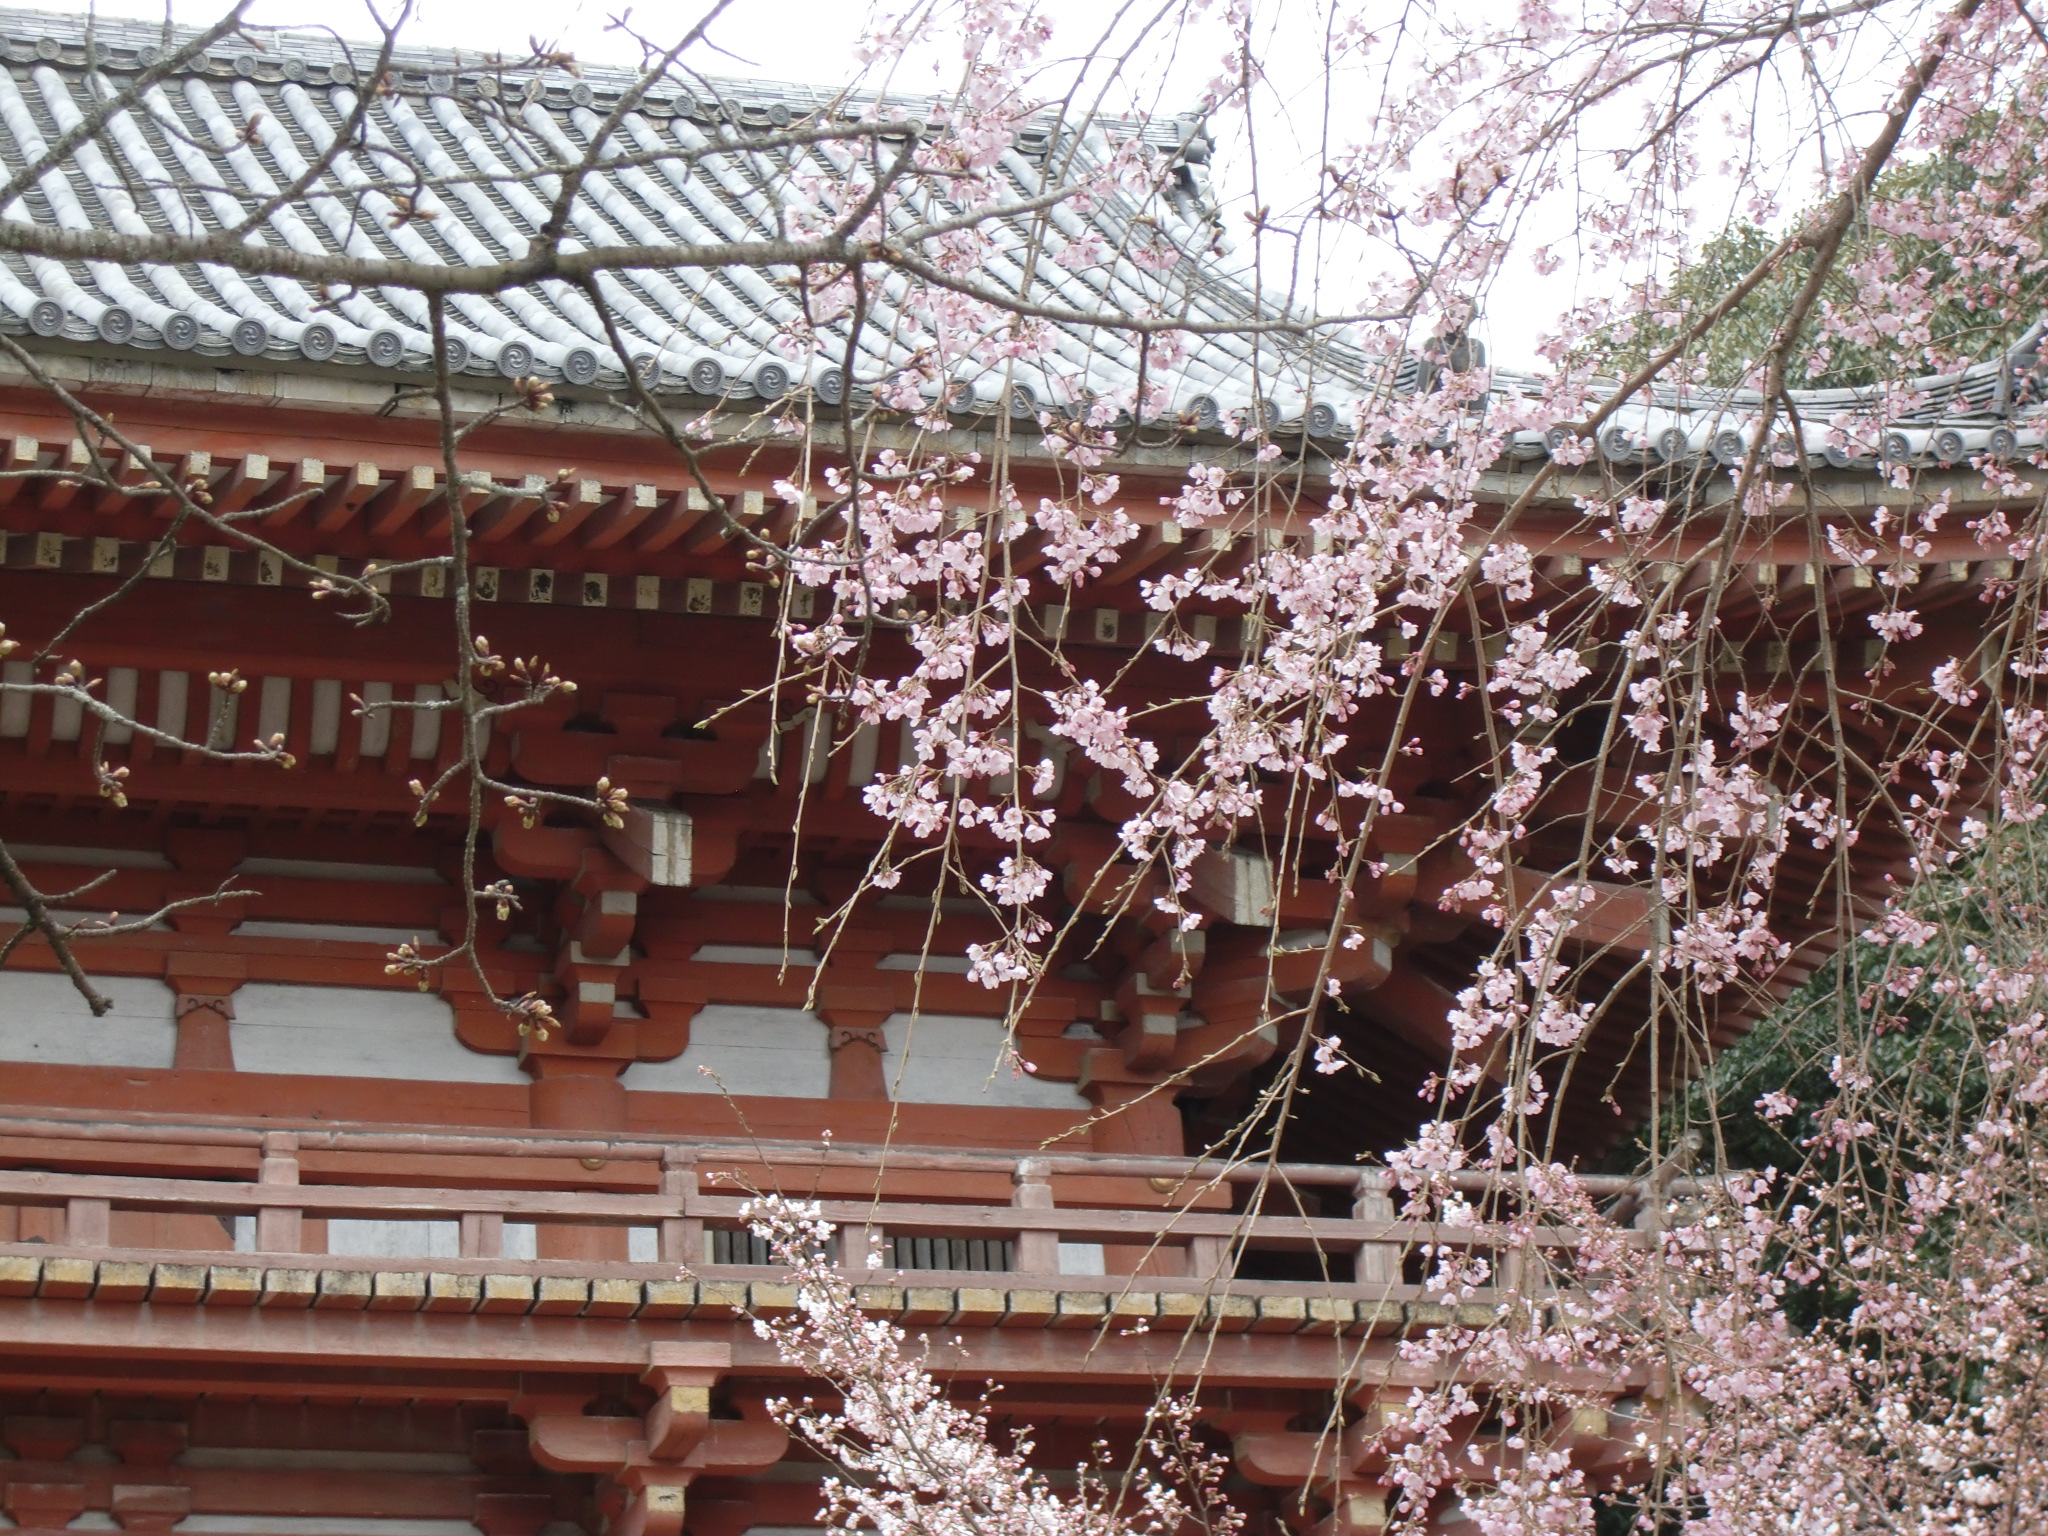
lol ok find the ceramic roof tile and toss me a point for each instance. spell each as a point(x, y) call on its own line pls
point(239, 127)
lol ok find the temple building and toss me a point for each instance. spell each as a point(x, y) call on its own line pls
point(289, 1245)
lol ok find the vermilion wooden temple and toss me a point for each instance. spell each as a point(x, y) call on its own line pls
point(293, 1247)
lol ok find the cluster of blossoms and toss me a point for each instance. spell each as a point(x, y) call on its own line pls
point(1715, 807)
point(912, 1461)
point(1548, 710)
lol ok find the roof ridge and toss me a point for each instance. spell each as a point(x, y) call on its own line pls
point(316, 46)
point(275, 101)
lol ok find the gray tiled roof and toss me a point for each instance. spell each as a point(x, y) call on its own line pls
point(240, 124)
point(193, 160)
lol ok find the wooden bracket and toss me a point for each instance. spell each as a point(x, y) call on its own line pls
point(857, 1074)
point(47, 1505)
point(149, 1506)
point(42, 1437)
point(683, 1376)
point(655, 1510)
point(204, 1042)
point(844, 1035)
point(148, 1442)
point(512, 1514)
point(1356, 1509)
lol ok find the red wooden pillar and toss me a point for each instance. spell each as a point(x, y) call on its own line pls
point(577, 1091)
point(857, 1071)
point(204, 1043)
point(204, 983)
point(1138, 1115)
point(577, 1068)
point(1139, 1119)
point(854, 1010)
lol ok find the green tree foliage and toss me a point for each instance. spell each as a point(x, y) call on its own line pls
point(1870, 1076)
point(1897, 241)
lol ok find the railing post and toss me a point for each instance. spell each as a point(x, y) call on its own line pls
point(1649, 1215)
point(863, 1247)
point(483, 1237)
point(1209, 1258)
point(1511, 1261)
point(1037, 1252)
point(279, 1229)
point(1377, 1263)
point(86, 1223)
point(682, 1235)
point(1511, 1266)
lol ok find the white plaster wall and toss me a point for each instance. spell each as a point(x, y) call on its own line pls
point(434, 1239)
point(42, 1018)
point(937, 1058)
point(381, 1239)
point(1082, 1259)
point(775, 1052)
point(357, 1032)
point(352, 933)
point(322, 1525)
point(782, 1052)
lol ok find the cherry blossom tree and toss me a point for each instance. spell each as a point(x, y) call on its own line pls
point(911, 1459)
point(1755, 769)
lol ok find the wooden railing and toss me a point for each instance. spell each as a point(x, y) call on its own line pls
point(80, 1180)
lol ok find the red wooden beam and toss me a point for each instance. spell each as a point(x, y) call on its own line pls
point(229, 1347)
